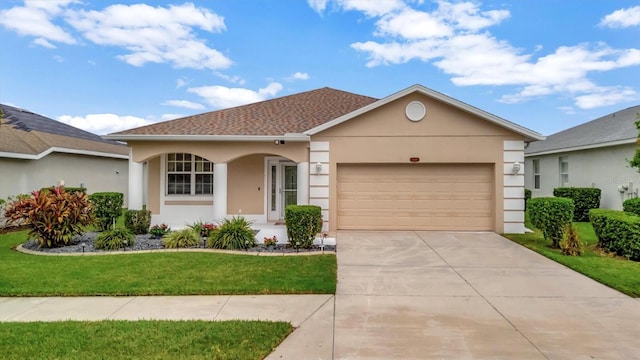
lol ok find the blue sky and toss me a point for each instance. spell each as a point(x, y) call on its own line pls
point(106, 66)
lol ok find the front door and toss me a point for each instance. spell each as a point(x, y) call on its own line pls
point(283, 187)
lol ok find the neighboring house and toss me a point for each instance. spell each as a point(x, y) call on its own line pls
point(36, 151)
point(415, 160)
point(593, 154)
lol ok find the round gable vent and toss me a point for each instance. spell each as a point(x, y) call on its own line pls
point(415, 111)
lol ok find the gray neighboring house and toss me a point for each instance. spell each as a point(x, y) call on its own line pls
point(593, 154)
point(36, 151)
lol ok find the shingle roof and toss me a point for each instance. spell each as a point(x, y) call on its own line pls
point(288, 114)
point(24, 132)
point(618, 127)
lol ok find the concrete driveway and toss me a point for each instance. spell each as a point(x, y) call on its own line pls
point(423, 295)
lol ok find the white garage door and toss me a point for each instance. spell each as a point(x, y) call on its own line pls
point(415, 197)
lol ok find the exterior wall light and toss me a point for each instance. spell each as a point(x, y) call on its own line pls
point(318, 168)
point(516, 168)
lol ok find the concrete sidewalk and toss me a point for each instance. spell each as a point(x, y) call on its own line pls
point(311, 315)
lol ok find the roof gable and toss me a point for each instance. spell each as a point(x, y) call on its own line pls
point(528, 134)
point(613, 129)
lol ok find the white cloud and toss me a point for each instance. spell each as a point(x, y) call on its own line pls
point(184, 104)
point(232, 79)
point(622, 18)
point(298, 76)
point(606, 96)
point(454, 37)
point(180, 83)
point(154, 34)
point(223, 97)
point(318, 5)
point(35, 19)
point(103, 123)
point(569, 110)
point(58, 58)
point(44, 43)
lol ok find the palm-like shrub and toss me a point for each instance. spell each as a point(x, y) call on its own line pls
point(180, 239)
point(233, 234)
point(54, 217)
point(114, 239)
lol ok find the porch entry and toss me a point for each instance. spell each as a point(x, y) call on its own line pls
point(282, 182)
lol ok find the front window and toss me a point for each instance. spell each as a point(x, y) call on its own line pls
point(564, 171)
point(536, 174)
point(189, 174)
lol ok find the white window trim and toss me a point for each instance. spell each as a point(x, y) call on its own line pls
point(193, 195)
point(560, 162)
point(536, 174)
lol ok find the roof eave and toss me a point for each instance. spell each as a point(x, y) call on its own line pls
point(581, 147)
point(529, 135)
point(12, 155)
point(248, 138)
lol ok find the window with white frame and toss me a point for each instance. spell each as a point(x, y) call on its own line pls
point(189, 174)
point(536, 174)
point(564, 170)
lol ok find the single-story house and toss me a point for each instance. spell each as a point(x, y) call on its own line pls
point(37, 152)
point(593, 154)
point(416, 159)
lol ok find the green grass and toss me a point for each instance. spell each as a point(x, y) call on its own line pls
point(618, 273)
point(161, 273)
point(141, 339)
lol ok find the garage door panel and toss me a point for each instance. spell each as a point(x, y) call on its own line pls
point(424, 197)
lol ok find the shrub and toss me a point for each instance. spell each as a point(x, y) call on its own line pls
point(632, 206)
point(551, 215)
point(584, 199)
point(181, 239)
point(303, 223)
point(233, 234)
point(54, 217)
point(107, 207)
point(114, 239)
point(570, 243)
point(69, 189)
point(527, 197)
point(203, 229)
point(159, 230)
point(617, 231)
point(137, 221)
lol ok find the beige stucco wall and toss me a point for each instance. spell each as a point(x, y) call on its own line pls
point(604, 168)
point(219, 152)
point(245, 189)
point(445, 135)
point(153, 190)
point(98, 174)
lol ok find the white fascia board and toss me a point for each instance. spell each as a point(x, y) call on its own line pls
point(583, 147)
point(61, 150)
point(249, 138)
point(530, 135)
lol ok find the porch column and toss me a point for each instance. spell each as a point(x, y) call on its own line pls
point(136, 184)
point(303, 183)
point(219, 191)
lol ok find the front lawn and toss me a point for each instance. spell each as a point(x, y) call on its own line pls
point(141, 339)
point(161, 273)
point(620, 274)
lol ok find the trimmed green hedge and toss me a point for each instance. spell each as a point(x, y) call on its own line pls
point(584, 199)
point(617, 231)
point(551, 215)
point(303, 223)
point(527, 197)
point(632, 205)
point(107, 207)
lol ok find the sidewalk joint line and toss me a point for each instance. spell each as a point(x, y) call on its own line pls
point(215, 318)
